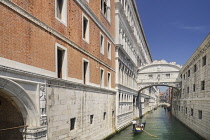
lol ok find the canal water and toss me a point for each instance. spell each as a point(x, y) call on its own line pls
point(161, 125)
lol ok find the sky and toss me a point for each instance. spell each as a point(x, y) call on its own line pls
point(174, 29)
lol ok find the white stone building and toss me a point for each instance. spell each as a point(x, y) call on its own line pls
point(192, 104)
point(132, 51)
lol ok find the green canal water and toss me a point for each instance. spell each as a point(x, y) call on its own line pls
point(161, 124)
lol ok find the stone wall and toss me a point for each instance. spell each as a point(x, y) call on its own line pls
point(192, 104)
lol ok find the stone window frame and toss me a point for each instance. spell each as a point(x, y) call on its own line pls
point(105, 8)
point(87, 77)
point(102, 43)
point(101, 77)
point(61, 14)
point(109, 80)
point(85, 29)
point(109, 50)
point(65, 60)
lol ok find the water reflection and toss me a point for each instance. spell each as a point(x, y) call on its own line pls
point(160, 123)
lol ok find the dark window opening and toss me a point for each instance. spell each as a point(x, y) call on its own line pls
point(193, 87)
point(202, 85)
point(188, 73)
point(191, 112)
point(91, 119)
point(59, 8)
point(60, 55)
point(85, 69)
point(195, 68)
point(204, 61)
point(104, 116)
point(199, 114)
point(109, 80)
point(85, 26)
point(72, 123)
point(186, 110)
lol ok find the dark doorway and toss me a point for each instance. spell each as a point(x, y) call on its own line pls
point(10, 116)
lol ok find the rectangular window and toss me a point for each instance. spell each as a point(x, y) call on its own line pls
point(167, 75)
point(91, 119)
point(101, 43)
point(188, 73)
point(193, 87)
point(109, 80)
point(202, 85)
point(204, 61)
point(85, 28)
point(104, 116)
point(195, 68)
point(102, 77)
point(61, 10)
point(191, 112)
point(150, 76)
point(113, 114)
point(61, 61)
point(109, 50)
point(199, 114)
point(186, 110)
point(72, 123)
point(85, 72)
point(188, 90)
point(105, 9)
point(60, 55)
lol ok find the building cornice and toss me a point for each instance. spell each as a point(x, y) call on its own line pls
point(87, 9)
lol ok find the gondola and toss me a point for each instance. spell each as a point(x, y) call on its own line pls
point(138, 129)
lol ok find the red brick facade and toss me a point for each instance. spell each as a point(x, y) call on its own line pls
point(25, 42)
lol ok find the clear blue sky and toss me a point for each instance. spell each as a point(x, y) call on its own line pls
point(174, 29)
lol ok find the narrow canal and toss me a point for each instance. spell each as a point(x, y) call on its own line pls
point(162, 125)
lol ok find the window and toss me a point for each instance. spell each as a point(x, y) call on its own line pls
point(191, 112)
point(61, 61)
point(150, 76)
point(167, 75)
point(188, 73)
point(85, 28)
point(104, 116)
point(186, 110)
point(91, 119)
point(188, 90)
point(202, 85)
point(109, 50)
point(61, 10)
point(199, 114)
point(204, 61)
point(193, 87)
point(72, 123)
point(102, 44)
point(102, 77)
point(109, 80)
point(86, 71)
point(184, 76)
point(195, 68)
point(113, 114)
point(105, 9)
point(179, 108)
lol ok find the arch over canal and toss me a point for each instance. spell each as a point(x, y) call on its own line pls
point(159, 73)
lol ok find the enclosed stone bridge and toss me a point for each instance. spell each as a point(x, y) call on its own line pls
point(159, 73)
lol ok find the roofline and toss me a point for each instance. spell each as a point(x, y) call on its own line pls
point(141, 27)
